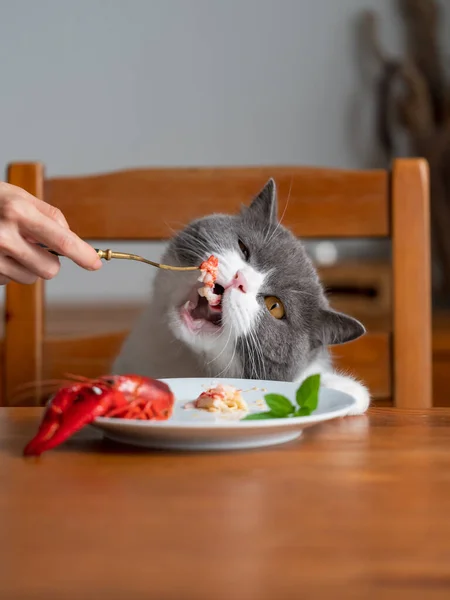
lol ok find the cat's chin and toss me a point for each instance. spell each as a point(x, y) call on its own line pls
point(195, 322)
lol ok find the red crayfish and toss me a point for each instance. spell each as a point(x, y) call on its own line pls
point(120, 396)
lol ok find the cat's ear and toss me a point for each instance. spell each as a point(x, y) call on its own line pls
point(338, 328)
point(265, 205)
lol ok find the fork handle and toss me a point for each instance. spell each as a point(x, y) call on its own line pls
point(99, 252)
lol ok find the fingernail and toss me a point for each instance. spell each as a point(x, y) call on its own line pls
point(96, 265)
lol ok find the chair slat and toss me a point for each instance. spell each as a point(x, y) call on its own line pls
point(149, 204)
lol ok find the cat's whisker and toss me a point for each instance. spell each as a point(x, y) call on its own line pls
point(267, 232)
point(251, 354)
point(303, 293)
point(261, 368)
point(252, 349)
point(180, 225)
point(223, 349)
point(276, 234)
point(219, 333)
point(259, 354)
point(262, 361)
point(282, 216)
point(195, 247)
point(231, 359)
point(287, 202)
point(171, 229)
point(190, 238)
point(194, 252)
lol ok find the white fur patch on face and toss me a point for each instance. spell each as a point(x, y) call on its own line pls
point(230, 262)
point(240, 309)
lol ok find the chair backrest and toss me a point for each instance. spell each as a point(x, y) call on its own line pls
point(144, 204)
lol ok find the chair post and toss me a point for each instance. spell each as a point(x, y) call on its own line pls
point(411, 264)
point(24, 309)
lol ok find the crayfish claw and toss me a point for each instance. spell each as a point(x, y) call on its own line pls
point(70, 410)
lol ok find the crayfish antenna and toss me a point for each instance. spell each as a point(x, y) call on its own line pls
point(82, 378)
point(47, 387)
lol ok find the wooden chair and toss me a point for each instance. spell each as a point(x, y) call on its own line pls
point(325, 203)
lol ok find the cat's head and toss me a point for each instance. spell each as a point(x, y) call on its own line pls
point(274, 319)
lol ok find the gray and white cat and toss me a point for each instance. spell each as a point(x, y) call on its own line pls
point(273, 322)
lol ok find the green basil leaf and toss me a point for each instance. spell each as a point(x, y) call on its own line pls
point(308, 393)
point(258, 416)
point(279, 405)
point(302, 412)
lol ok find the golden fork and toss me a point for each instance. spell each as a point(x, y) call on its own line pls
point(110, 254)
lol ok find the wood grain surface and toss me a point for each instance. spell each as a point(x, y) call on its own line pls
point(24, 310)
point(411, 281)
point(148, 204)
point(356, 509)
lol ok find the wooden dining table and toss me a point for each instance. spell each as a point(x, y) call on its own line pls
point(358, 507)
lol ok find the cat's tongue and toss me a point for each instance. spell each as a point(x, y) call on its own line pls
point(203, 311)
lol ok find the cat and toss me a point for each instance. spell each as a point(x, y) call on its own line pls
point(274, 321)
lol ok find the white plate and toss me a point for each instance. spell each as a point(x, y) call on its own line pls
point(200, 430)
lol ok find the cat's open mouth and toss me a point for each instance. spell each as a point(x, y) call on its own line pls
point(199, 315)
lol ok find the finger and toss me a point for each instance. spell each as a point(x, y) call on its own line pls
point(12, 270)
point(33, 223)
point(32, 257)
point(51, 211)
point(46, 209)
point(4, 280)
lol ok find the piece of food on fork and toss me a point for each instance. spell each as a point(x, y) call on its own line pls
point(209, 271)
point(119, 396)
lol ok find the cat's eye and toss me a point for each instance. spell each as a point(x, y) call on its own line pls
point(244, 250)
point(275, 307)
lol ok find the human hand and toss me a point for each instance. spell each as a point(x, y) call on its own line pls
point(25, 220)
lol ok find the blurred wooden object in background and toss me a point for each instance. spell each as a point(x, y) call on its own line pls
point(413, 104)
point(359, 287)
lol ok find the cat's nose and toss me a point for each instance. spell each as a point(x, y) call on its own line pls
point(239, 282)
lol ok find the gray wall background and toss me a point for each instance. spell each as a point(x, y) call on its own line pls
point(96, 85)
